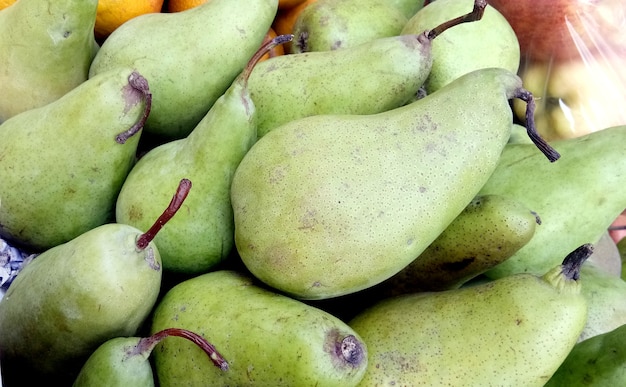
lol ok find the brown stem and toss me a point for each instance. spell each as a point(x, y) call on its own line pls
point(475, 15)
point(265, 47)
point(574, 260)
point(147, 344)
point(531, 129)
point(140, 84)
point(177, 201)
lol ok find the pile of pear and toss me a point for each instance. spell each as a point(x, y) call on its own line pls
point(365, 210)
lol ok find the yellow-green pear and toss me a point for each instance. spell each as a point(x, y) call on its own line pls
point(77, 295)
point(267, 338)
point(64, 163)
point(514, 331)
point(576, 197)
point(489, 42)
point(46, 48)
point(190, 58)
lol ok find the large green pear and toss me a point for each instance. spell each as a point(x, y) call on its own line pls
point(267, 338)
point(203, 235)
point(326, 25)
point(75, 296)
point(46, 48)
point(331, 204)
point(598, 361)
point(514, 331)
point(190, 58)
point(488, 42)
point(64, 163)
point(576, 197)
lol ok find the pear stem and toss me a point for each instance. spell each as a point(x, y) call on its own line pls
point(265, 47)
point(531, 129)
point(573, 261)
point(147, 344)
point(177, 201)
point(475, 15)
point(139, 83)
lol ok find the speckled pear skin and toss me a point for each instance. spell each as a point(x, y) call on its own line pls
point(488, 231)
point(370, 78)
point(489, 42)
point(72, 298)
point(575, 196)
point(115, 364)
point(598, 361)
point(514, 331)
point(189, 58)
point(327, 25)
point(268, 339)
point(407, 7)
point(331, 204)
point(55, 49)
point(61, 167)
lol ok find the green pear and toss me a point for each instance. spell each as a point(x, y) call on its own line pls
point(326, 25)
point(202, 236)
point(331, 204)
point(124, 361)
point(606, 299)
point(598, 361)
point(75, 296)
point(488, 231)
point(407, 7)
point(576, 197)
point(46, 48)
point(190, 58)
point(514, 331)
point(268, 339)
point(369, 78)
point(490, 42)
point(64, 163)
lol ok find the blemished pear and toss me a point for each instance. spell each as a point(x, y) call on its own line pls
point(64, 163)
point(331, 204)
point(514, 331)
point(46, 48)
point(190, 58)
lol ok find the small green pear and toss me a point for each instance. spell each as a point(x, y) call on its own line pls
point(190, 58)
point(489, 42)
point(368, 78)
point(46, 48)
point(268, 339)
point(514, 331)
point(203, 235)
point(75, 296)
point(124, 361)
point(332, 204)
point(326, 25)
point(576, 197)
point(488, 231)
point(598, 361)
point(64, 163)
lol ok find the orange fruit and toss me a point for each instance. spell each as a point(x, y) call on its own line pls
point(277, 50)
point(183, 5)
point(6, 3)
point(286, 4)
point(113, 13)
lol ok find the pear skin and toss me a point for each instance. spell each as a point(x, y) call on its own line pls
point(575, 197)
point(190, 58)
point(331, 204)
point(64, 163)
point(55, 49)
point(514, 331)
point(488, 42)
point(203, 235)
point(267, 338)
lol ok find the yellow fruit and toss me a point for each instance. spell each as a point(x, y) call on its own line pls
point(183, 5)
point(6, 3)
point(113, 13)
